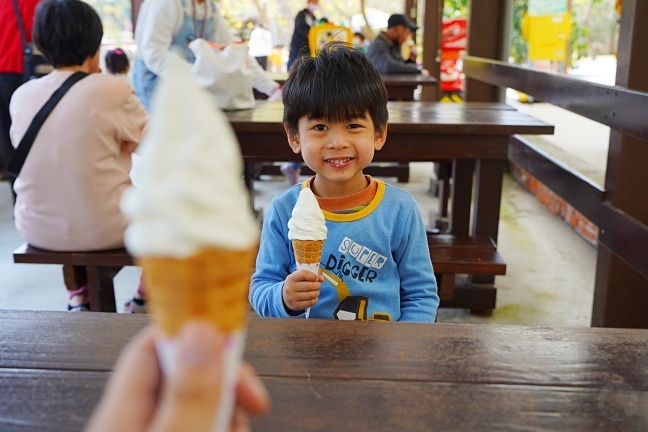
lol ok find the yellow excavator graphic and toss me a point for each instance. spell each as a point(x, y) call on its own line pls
point(351, 308)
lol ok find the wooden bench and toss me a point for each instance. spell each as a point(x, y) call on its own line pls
point(451, 255)
point(94, 269)
point(455, 255)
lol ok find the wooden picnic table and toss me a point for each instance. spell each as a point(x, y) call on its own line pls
point(399, 86)
point(361, 376)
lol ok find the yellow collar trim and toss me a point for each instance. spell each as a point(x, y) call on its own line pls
point(350, 217)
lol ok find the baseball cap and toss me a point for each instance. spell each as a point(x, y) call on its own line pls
point(400, 19)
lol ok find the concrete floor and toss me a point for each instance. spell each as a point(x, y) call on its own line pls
point(549, 280)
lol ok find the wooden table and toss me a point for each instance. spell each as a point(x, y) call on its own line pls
point(399, 86)
point(354, 376)
point(474, 136)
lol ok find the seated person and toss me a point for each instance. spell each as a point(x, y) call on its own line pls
point(335, 115)
point(70, 186)
point(385, 52)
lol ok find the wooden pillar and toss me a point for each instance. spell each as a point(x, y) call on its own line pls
point(621, 293)
point(432, 15)
point(487, 31)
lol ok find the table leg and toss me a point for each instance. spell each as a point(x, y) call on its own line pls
point(488, 199)
point(462, 186)
point(101, 289)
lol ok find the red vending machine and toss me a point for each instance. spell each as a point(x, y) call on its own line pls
point(453, 43)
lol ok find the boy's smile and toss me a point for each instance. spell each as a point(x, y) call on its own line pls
point(337, 152)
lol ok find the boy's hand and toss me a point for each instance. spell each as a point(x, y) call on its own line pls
point(301, 289)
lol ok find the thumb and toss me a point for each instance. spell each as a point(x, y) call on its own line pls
point(191, 393)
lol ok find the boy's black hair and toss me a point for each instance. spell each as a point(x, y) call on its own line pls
point(117, 61)
point(67, 31)
point(339, 84)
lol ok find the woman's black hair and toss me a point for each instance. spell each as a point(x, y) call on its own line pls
point(67, 31)
point(339, 83)
point(117, 61)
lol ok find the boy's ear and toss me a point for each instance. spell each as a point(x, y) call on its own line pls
point(380, 138)
point(293, 140)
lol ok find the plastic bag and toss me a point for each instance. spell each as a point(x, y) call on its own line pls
point(224, 74)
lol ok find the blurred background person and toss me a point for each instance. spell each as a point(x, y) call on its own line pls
point(261, 44)
point(11, 68)
point(117, 64)
point(385, 52)
point(166, 25)
point(304, 20)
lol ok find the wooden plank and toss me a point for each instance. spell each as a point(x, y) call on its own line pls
point(577, 190)
point(467, 353)
point(448, 241)
point(467, 261)
point(63, 400)
point(624, 236)
point(618, 107)
point(27, 254)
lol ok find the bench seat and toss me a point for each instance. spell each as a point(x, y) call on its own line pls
point(94, 269)
point(451, 255)
point(455, 255)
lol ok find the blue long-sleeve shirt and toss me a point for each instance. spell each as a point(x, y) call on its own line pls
point(376, 262)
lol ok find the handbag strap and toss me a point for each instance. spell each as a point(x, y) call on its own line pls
point(21, 27)
point(17, 160)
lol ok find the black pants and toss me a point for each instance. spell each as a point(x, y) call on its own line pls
point(9, 82)
point(263, 61)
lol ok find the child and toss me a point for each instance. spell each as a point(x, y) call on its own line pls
point(117, 63)
point(375, 264)
point(70, 186)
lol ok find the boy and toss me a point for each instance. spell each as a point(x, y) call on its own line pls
point(375, 263)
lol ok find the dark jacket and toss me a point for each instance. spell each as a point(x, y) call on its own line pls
point(299, 42)
point(386, 56)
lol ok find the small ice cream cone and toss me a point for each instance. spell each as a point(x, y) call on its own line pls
point(308, 253)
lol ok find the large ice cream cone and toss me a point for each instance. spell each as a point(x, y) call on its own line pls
point(191, 226)
point(211, 285)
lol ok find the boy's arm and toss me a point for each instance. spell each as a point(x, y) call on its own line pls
point(419, 298)
point(272, 267)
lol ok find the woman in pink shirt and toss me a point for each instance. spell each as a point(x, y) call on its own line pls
point(69, 189)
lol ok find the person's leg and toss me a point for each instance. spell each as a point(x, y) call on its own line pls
point(292, 171)
point(263, 61)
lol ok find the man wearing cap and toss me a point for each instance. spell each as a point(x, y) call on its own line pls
point(385, 51)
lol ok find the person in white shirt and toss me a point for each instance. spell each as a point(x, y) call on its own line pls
point(261, 44)
point(166, 25)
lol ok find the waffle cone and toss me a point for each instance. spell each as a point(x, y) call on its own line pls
point(308, 251)
point(211, 285)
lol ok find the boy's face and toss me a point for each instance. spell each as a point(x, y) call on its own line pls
point(337, 152)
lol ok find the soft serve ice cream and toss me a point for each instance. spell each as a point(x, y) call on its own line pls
point(307, 231)
point(190, 224)
point(307, 224)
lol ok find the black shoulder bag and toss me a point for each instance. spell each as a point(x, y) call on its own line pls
point(35, 65)
point(20, 154)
